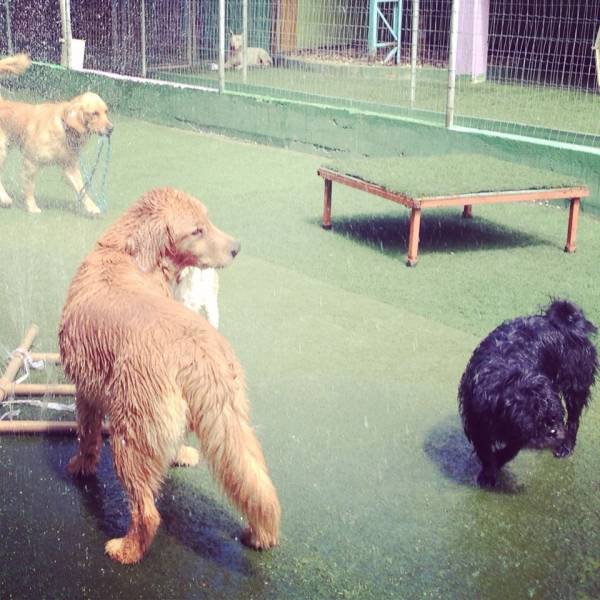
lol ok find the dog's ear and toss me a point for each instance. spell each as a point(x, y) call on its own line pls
point(149, 244)
point(73, 116)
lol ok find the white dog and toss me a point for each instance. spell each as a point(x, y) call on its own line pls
point(198, 289)
point(254, 56)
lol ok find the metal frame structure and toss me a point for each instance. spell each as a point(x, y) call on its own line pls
point(377, 19)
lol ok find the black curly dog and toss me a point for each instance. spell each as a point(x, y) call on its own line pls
point(512, 392)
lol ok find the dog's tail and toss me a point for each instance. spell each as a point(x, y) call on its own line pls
point(14, 65)
point(235, 457)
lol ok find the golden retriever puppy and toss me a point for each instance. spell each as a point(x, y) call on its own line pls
point(49, 134)
point(157, 369)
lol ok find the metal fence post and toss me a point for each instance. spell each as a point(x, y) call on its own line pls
point(221, 46)
point(414, 37)
point(245, 41)
point(8, 27)
point(65, 21)
point(452, 63)
point(143, 37)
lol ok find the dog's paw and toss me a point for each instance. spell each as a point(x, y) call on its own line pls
point(486, 479)
point(257, 541)
point(5, 201)
point(89, 206)
point(32, 208)
point(186, 457)
point(123, 550)
point(80, 466)
point(564, 450)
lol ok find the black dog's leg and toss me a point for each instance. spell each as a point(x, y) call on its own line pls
point(575, 402)
point(489, 468)
point(507, 453)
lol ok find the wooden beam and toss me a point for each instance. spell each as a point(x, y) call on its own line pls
point(43, 427)
point(16, 360)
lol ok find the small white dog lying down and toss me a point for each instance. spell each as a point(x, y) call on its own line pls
point(198, 289)
point(254, 56)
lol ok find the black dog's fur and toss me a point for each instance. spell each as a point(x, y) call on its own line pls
point(512, 392)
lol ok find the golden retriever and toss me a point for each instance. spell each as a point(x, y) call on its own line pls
point(49, 134)
point(158, 369)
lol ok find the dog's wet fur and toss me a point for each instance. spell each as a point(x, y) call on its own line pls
point(526, 385)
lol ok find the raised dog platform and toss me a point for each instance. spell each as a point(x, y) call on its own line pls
point(451, 180)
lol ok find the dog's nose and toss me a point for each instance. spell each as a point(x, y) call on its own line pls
point(108, 129)
point(235, 249)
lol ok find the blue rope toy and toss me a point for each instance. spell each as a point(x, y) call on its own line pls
point(97, 193)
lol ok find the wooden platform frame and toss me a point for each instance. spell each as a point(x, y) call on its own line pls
point(417, 205)
point(9, 388)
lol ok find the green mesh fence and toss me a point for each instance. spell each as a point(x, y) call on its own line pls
point(527, 68)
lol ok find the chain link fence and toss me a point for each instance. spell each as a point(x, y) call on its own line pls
point(529, 67)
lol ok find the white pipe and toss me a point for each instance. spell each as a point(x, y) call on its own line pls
point(221, 46)
point(245, 41)
point(452, 63)
point(8, 28)
point(64, 57)
point(69, 38)
point(143, 37)
point(189, 32)
point(414, 52)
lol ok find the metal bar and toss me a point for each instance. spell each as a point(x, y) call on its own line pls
point(398, 27)
point(189, 33)
point(221, 46)
point(373, 21)
point(245, 41)
point(452, 63)
point(69, 36)
point(114, 35)
point(414, 40)
point(194, 19)
point(143, 37)
point(63, 33)
point(8, 28)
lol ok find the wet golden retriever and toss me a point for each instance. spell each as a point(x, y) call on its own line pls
point(49, 134)
point(158, 369)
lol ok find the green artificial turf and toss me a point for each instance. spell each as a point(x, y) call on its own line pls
point(454, 174)
point(352, 362)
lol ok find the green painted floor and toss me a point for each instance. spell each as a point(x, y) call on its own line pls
point(353, 362)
